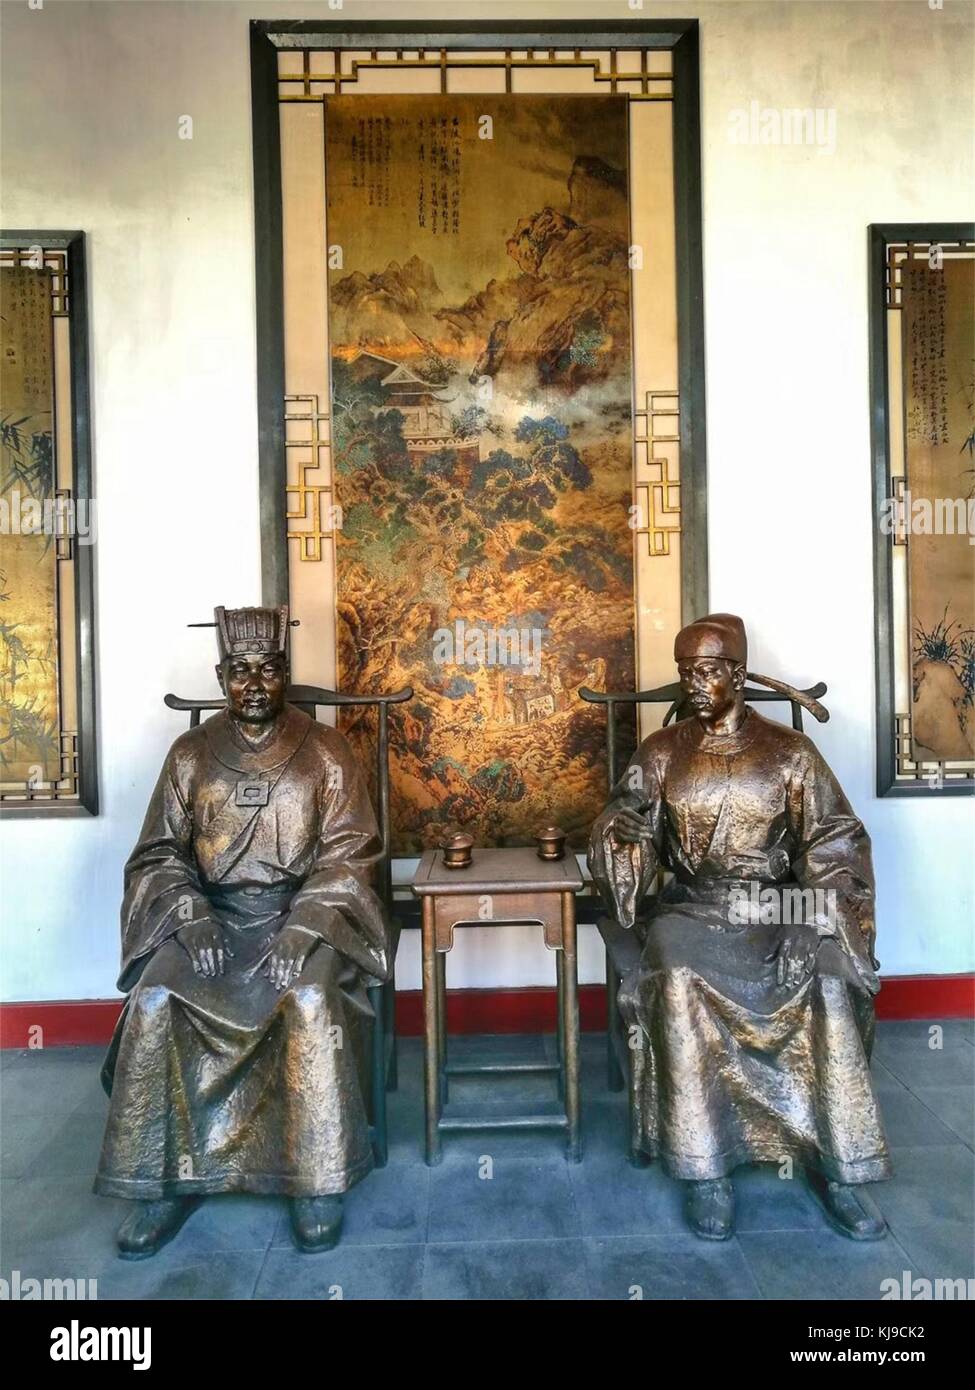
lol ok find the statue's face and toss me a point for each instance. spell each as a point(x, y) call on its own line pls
point(254, 686)
point(711, 684)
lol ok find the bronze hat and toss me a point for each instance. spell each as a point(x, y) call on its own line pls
point(719, 634)
point(247, 631)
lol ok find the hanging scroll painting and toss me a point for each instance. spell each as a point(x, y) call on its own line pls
point(29, 742)
point(482, 442)
point(923, 412)
point(48, 764)
point(938, 309)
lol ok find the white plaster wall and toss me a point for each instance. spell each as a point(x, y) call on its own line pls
point(91, 97)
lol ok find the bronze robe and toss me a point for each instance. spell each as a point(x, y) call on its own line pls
point(728, 1067)
point(225, 1084)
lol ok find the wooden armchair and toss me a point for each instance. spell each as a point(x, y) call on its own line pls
point(382, 997)
point(623, 947)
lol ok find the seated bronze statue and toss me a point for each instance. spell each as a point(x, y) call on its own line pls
point(750, 1013)
point(250, 934)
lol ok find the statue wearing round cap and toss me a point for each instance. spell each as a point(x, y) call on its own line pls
point(751, 1009)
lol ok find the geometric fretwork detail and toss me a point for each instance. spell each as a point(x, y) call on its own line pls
point(310, 503)
point(65, 789)
point(340, 71)
point(938, 773)
point(899, 252)
point(63, 535)
point(896, 255)
point(899, 533)
point(43, 258)
point(657, 488)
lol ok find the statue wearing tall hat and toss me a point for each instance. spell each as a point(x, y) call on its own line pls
point(250, 932)
point(750, 1013)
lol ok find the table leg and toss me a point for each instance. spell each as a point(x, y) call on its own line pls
point(442, 1024)
point(431, 1041)
point(559, 1011)
point(570, 1025)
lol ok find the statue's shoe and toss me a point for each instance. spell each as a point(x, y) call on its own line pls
point(710, 1208)
point(150, 1225)
point(316, 1222)
point(853, 1212)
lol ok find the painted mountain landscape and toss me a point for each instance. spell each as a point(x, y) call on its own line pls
point(482, 447)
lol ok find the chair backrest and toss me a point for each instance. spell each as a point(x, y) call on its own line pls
point(673, 695)
point(309, 698)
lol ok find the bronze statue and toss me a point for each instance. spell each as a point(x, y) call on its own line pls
point(250, 933)
point(750, 1014)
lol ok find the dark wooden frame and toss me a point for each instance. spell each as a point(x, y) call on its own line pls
point(680, 37)
point(73, 243)
point(881, 235)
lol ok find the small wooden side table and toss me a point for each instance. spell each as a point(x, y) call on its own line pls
point(499, 887)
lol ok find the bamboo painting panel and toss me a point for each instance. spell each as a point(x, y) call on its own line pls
point(29, 713)
point(482, 444)
point(939, 430)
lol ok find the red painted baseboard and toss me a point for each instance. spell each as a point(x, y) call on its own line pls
point(58, 1022)
point(74, 1022)
point(927, 996)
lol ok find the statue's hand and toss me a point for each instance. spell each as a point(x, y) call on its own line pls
point(292, 947)
point(795, 955)
point(630, 828)
point(206, 946)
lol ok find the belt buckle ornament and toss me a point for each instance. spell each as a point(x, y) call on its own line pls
point(252, 791)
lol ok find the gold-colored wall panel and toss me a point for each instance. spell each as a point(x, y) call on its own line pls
point(935, 593)
point(42, 537)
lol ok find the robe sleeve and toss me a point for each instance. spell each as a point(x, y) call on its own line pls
point(162, 887)
point(623, 873)
point(833, 854)
point(338, 900)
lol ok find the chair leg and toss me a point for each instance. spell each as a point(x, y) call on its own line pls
point(392, 1067)
point(560, 1020)
point(380, 1142)
point(614, 1028)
